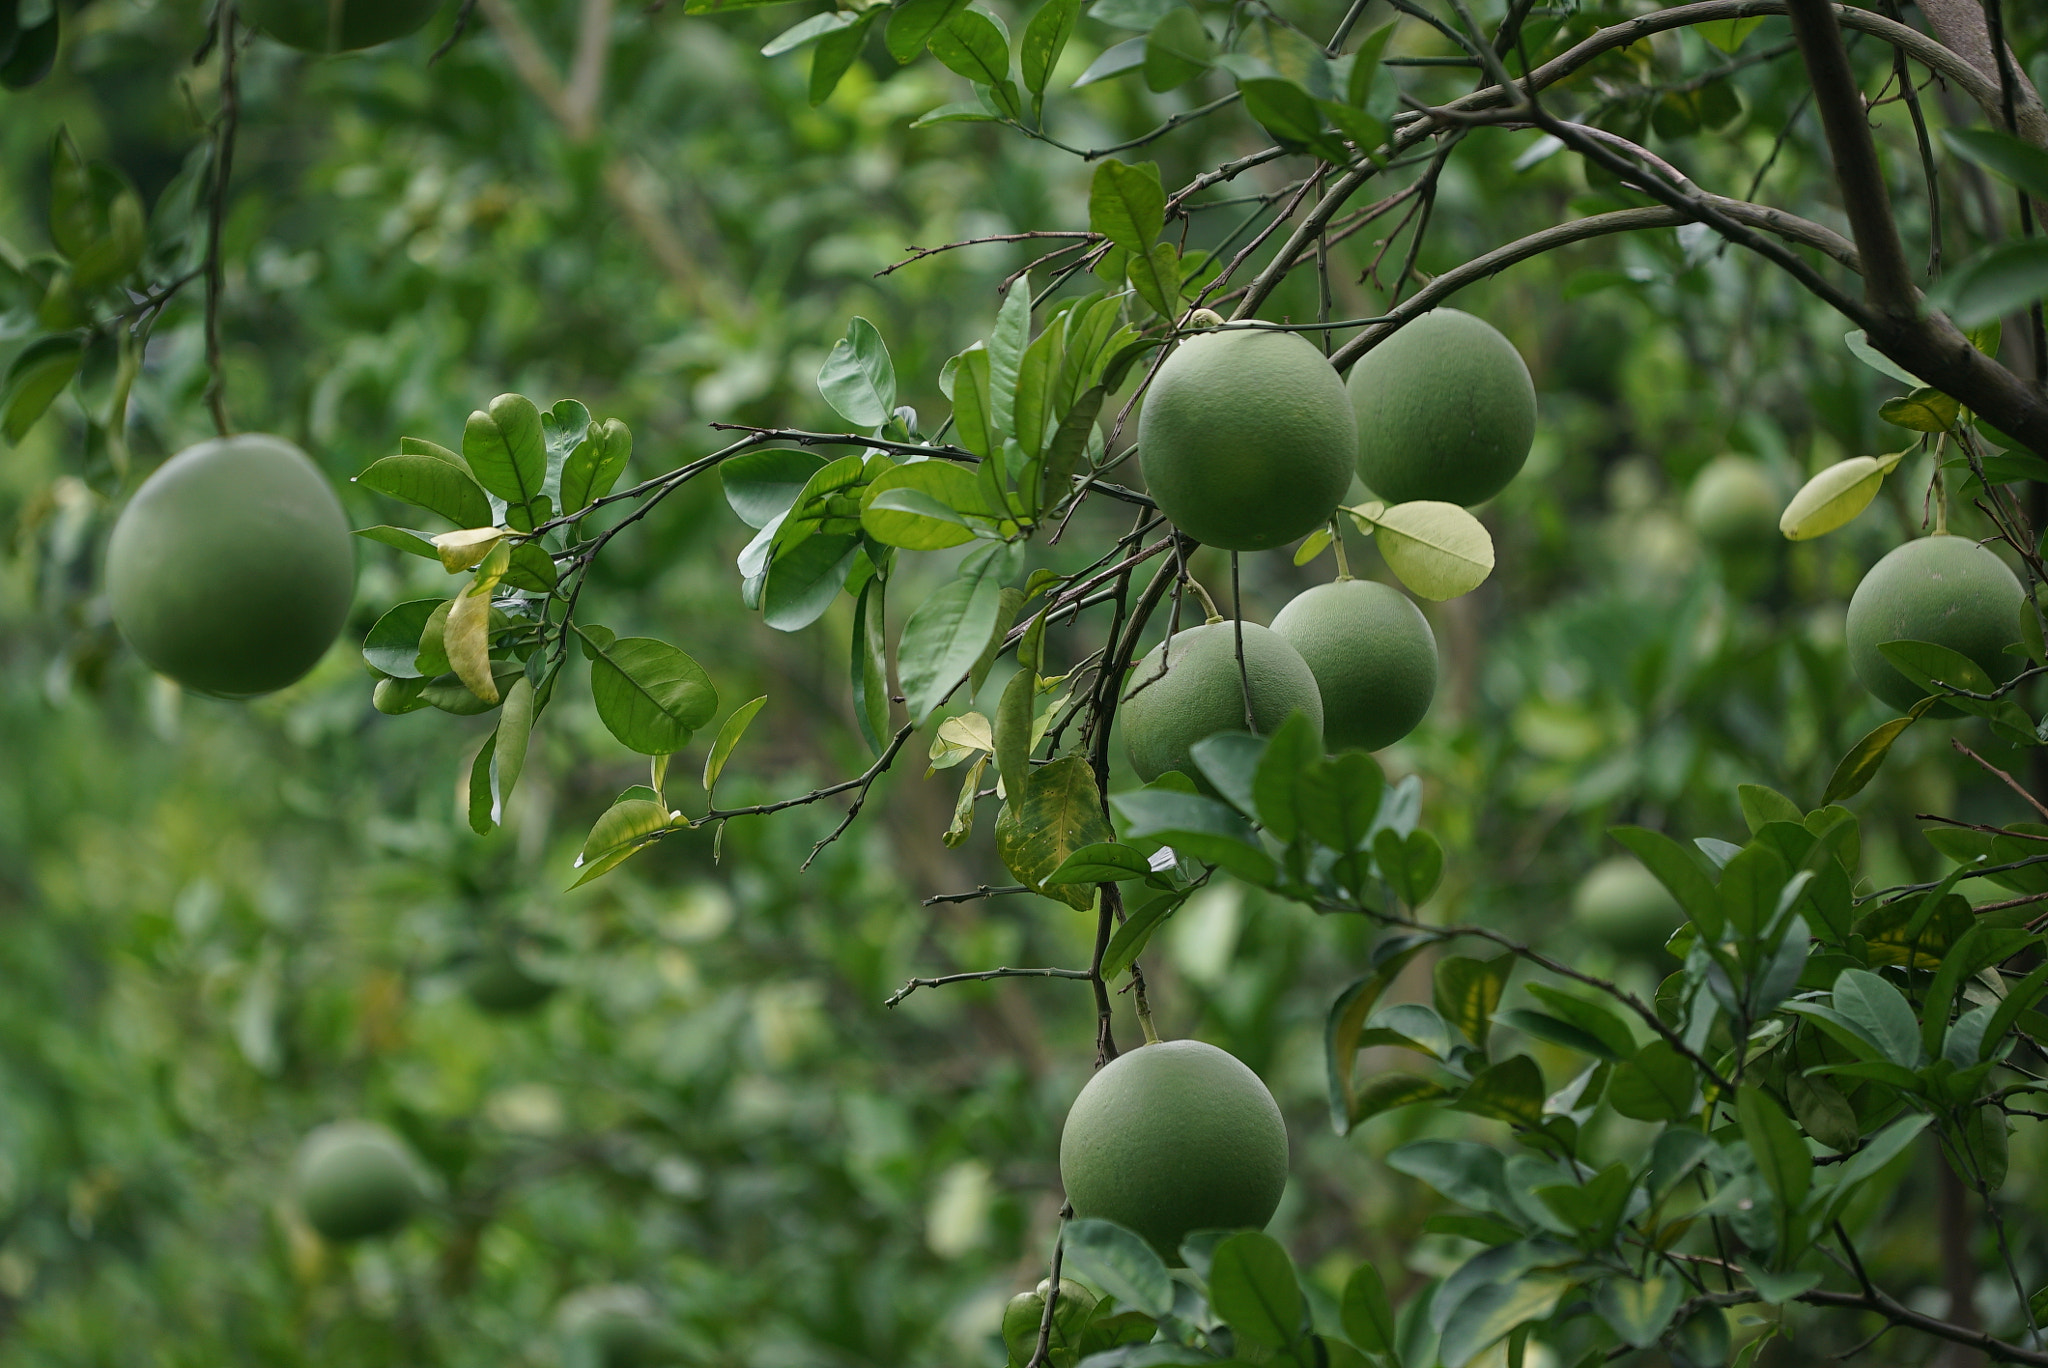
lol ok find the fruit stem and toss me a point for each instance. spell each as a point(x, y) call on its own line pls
point(1208, 603)
point(1337, 545)
point(1144, 1008)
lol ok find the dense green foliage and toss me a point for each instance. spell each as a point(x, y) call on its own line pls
point(1512, 1140)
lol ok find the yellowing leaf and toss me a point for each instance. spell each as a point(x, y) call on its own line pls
point(1832, 498)
point(1438, 549)
point(467, 640)
point(462, 550)
point(960, 737)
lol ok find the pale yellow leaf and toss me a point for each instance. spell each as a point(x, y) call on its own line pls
point(1832, 498)
point(467, 640)
point(1439, 550)
point(462, 550)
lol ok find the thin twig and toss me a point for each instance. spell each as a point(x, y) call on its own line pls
point(2010, 782)
point(223, 172)
point(980, 976)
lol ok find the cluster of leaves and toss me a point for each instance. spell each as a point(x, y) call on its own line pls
point(1234, 1298)
point(89, 307)
point(1808, 1038)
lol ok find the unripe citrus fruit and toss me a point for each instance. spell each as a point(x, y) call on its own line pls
point(1026, 1313)
point(338, 25)
point(1246, 438)
point(1734, 502)
point(1201, 693)
point(615, 1325)
point(231, 568)
point(1372, 655)
point(498, 983)
point(355, 1179)
point(1943, 589)
point(1172, 1138)
point(1446, 411)
point(1623, 904)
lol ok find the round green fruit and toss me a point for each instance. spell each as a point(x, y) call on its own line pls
point(498, 983)
point(1943, 589)
point(231, 568)
point(355, 1179)
point(1246, 438)
point(338, 25)
point(1172, 1138)
point(1372, 655)
point(1026, 1313)
point(614, 1326)
point(1201, 693)
point(1446, 411)
point(1622, 904)
point(1734, 502)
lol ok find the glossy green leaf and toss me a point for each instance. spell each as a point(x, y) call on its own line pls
point(393, 643)
point(650, 695)
point(506, 450)
point(1861, 764)
point(912, 23)
point(1045, 38)
point(729, 736)
point(1177, 50)
point(1658, 1084)
point(432, 484)
point(1638, 1310)
point(1468, 992)
point(36, 376)
point(622, 830)
point(1131, 938)
point(1120, 1263)
point(1253, 1287)
point(858, 380)
point(869, 668)
point(1127, 205)
point(1439, 550)
point(947, 633)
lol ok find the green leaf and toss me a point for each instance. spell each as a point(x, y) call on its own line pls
point(594, 465)
point(1658, 1084)
point(480, 806)
point(623, 829)
point(728, 737)
point(912, 24)
point(1156, 275)
point(1638, 1310)
point(393, 644)
point(1493, 1311)
point(1593, 1208)
point(35, 52)
point(1290, 114)
point(1859, 344)
point(1131, 938)
point(1253, 1287)
point(958, 111)
point(37, 375)
point(1196, 828)
point(1510, 1091)
point(1045, 38)
point(1439, 550)
point(1177, 50)
point(1059, 812)
point(1924, 410)
point(1832, 498)
point(1412, 867)
point(1931, 666)
point(1367, 1313)
point(1012, 732)
point(858, 380)
point(532, 568)
point(1678, 870)
point(1616, 1041)
point(1728, 34)
point(1283, 801)
point(940, 498)
point(2018, 163)
point(1120, 1263)
point(762, 485)
point(1365, 67)
point(870, 667)
point(948, 632)
point(505, 449)
point(969, 389)
point(1560, 1032)
point(502, 758)
point(1823, 1111)
point(1127, 205)
point(1861, 764)
point(808, 31)
point(432, 484)
point(650, 695)
point(972, 44)
point(805, 577)
point(1781, 1156)
point(1343, 1027)
point(837, 51)
point(403, 538)
point(1468, 991)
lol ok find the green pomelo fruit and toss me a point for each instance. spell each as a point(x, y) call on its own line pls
point(1622, 903)
point(1446, 411)
point(1201, 693)
point(498, 983)
point(1026, 1313)
point(1734, 502)
point(1172, 1138)
point(1943, 589)
point(338, 25)
point(355, 1179)
point(1372, 655)
point(1246, 438)
point(615, 1326)
point(231, 568)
